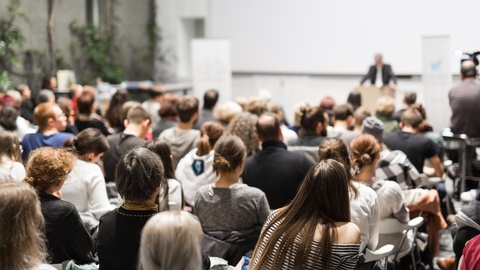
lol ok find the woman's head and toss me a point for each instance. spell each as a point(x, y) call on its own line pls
point(21, 238)
point(230, 154)
point(114, 111)
point(164, 151)
point(335, 148)
point(314, 121)
point(210, 133)
point(171, 240)
point(10, 146)
point(48, 167)
point(8, 117)
point(139, 175)
point(365, 150)
point(244, 126)
point(89, 145)
point(86, 103)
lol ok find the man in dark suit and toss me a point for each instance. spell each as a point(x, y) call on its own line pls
point(380, 74)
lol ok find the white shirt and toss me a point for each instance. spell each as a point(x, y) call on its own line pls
point(11, 171)
point(379, 79)
point(364, 214)
point(194, 172)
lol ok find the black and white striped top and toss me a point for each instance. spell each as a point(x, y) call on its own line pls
point(343, 256)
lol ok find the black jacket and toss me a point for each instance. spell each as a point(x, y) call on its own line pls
point(387, 75)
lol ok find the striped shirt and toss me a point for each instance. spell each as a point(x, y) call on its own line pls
point(343, 256)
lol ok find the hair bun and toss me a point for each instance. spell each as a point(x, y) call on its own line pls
point(221, 164)
point(365, 159)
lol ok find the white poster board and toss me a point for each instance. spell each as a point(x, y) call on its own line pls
point(437, 79)
point(211, 67)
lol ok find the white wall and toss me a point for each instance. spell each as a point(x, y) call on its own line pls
point(339, 37)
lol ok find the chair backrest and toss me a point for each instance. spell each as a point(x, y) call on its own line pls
point(392, 225)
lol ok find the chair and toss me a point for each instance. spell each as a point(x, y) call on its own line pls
point(393, 226)
point(379, 254)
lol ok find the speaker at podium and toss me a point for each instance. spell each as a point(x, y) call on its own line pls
point(370, 95)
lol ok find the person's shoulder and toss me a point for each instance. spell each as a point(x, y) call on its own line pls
point(66, 135)
point(251, 191)
point(348, 233)
point(364, 192)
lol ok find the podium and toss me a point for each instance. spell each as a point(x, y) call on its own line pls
point(370, 95)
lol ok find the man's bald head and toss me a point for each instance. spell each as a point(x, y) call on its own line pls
point(468, 69)
point(268, 127)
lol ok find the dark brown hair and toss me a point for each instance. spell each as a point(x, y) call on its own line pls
point(139, 174)
point(137, 114)
point(268, 127)
point(365, 150)
point(230, 152)
point(8, 117)
point(210, 133)
point(114, 111)
point(321, 199)
point(311, 116)
point(210, 99)
point(87, 141)
point(410, 98)
point(186, 108)
point(342, 112)
point(10, 146)
point(85, 103)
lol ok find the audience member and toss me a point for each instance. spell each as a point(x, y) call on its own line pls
point(225, 112)
point(113, 115)
point(168, 115)
point(363, 200)
point(327, 104)
point(314, 124)
point(230, 212)
point(172, 240)
point(85, 185)
point(139, 179)
point(49, 82)
point(243, 126)
point(183, 138)
point(170, 198)
point(86, 116)
point(365, 158)
point(26, 107)
point(408, 100)
point(67, 238)
point(11, 167)
point(355, 99)
point(359, 115)
point(45, 96)
point(256, 106)
point(274, 170)
point(384, 111)
point(415, 146)
point(464, 99)
point(66, 105)
point(195, 169)
point(287, 133)
point(137, 125)
point(51, 122)
point(313, 231)
point(21, 235)
point(342, 122)
point(153, 104)
point(471, 254)
point(210, 99)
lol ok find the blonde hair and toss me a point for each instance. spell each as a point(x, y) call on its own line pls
point(48, 166)
point(171, 240)
point(10, 146)
point(22, 243)
point(385, 106)
point(42, 113)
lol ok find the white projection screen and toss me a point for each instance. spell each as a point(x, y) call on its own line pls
point(340, 37)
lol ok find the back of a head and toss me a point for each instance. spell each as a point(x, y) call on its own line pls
point(411, 118)
point(10, 146)
point(468, 69)
point(114, 110)
point(342, 112)
point(227, 111)
point(360, 114)
point(22, 225)
point(47, 167)
point(419, 107)
point(257, 106)
point(311, 117)
point(268, 127)
point(45, 96)
point(210, 133)
point(336, 149)
point(171, 240)
point(230, 152)
point(244, 126)
point(373, 126)
point(137, 114)
point(42, 113)
point(164, 151)
point(139, 175)
point(187, 108)
point(210, 99)
point(90, 140)
point(85, 103)
point(385, 106)
point(410, 98)
point(8, 117)
point(365, 150)
point(355, 99)
point(126, 108)
point(327, 103)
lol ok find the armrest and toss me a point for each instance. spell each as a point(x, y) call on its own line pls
point(415, 223)
point(378, 254)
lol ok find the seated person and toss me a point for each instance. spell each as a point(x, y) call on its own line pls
point(86, 116)
point(384, 112)
point(232, 214)
point(67, 238)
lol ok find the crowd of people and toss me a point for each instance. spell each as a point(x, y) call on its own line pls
point(165, 184)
